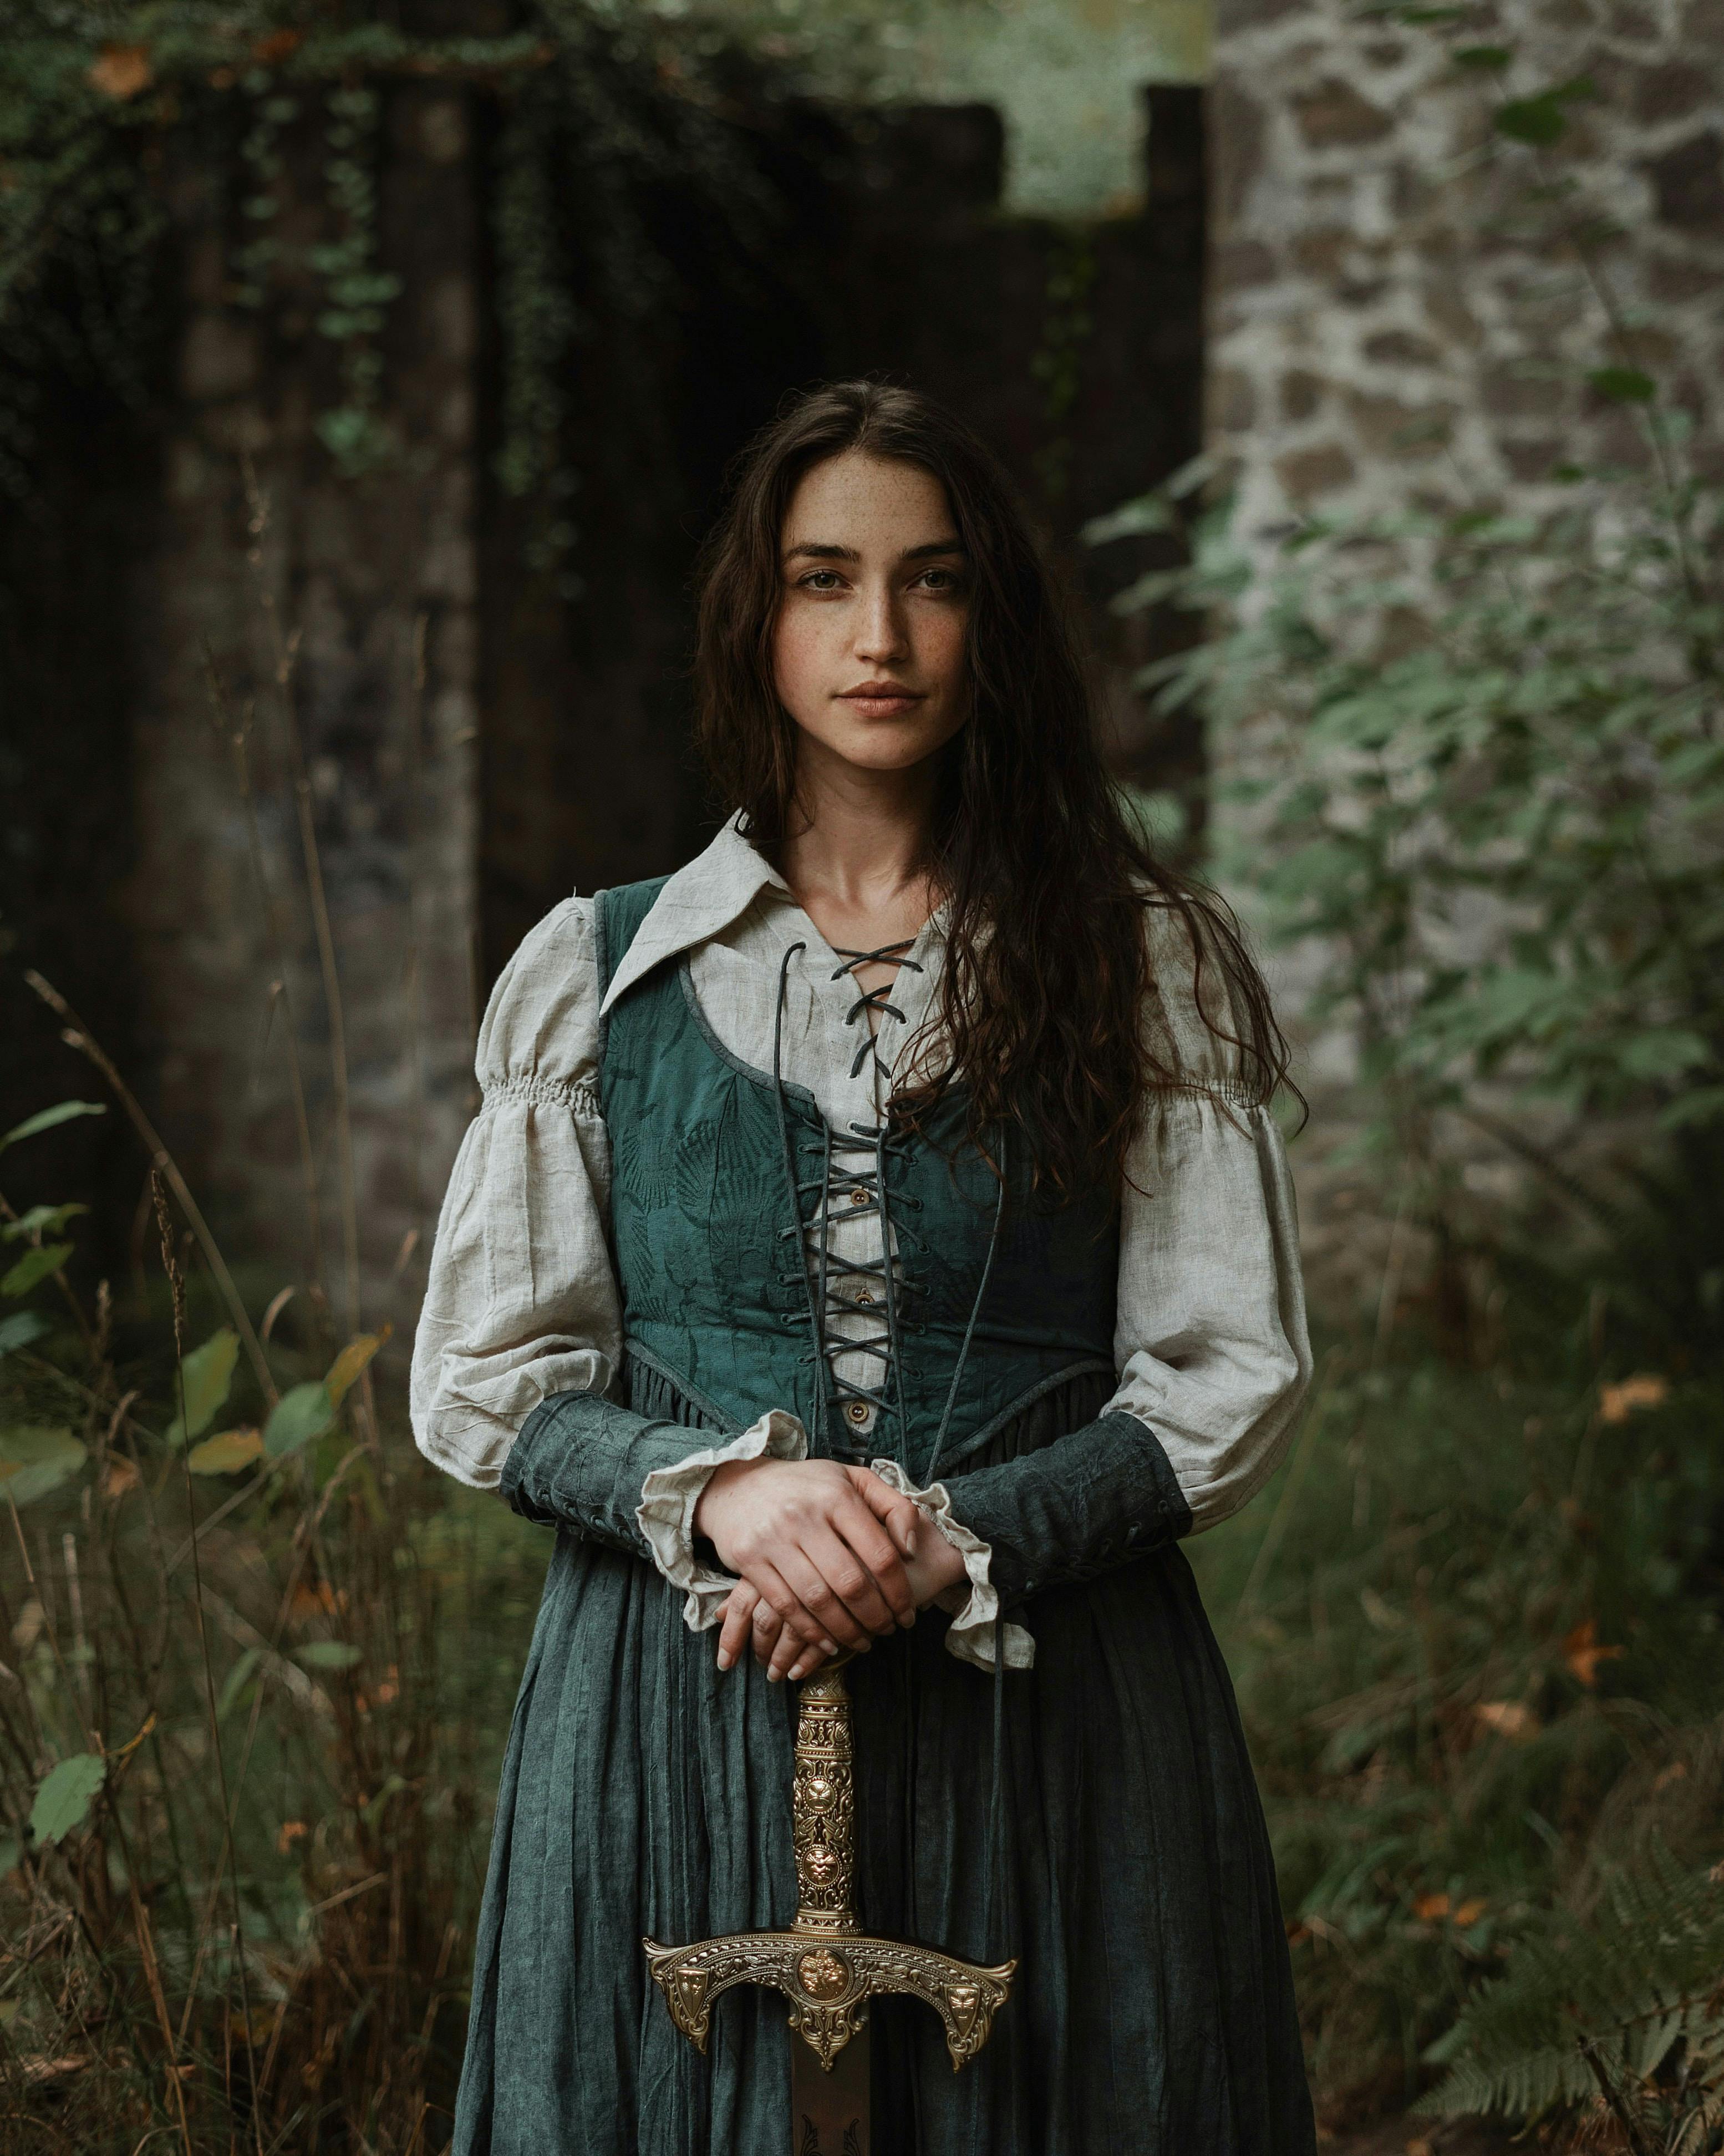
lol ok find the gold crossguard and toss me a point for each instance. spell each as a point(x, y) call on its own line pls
point(824, 1964)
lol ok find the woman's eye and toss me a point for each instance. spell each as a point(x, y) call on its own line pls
point(822, 580)
point(938, 580)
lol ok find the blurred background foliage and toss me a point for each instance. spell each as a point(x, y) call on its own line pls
point(260, 1664)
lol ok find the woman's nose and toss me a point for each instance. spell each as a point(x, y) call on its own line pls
point(881, 634)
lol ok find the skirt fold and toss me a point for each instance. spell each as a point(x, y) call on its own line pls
point(644, 1794)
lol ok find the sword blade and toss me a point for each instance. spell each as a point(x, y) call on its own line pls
point(829, 2111)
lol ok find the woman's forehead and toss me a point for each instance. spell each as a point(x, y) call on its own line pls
point(857, 502)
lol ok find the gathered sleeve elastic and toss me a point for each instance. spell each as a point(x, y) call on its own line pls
point(522, 1303)
point(1210, 1339)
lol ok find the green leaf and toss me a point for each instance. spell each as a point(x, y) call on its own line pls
point(298, 1416)
point(379, 1803)
point(39, 1220)
point(1150, 514)
point(35, 1459)
point(1624, 385)
point(205, 1377)
point(46, 1118)
point(34, 1267)
point(21, 1328)
point(225, 1453)
point(236, 1680)
point(1492, 58)
point(1531, 120)
point(328, 1655)
point(1539, 120)
point(10, 1851)
point(67, 1793)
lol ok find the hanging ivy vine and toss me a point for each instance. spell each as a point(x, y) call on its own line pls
point(101, 105)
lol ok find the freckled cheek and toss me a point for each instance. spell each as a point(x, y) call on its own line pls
point(802, 659)
point(940, 653)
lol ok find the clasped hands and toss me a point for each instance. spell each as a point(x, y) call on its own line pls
point(828, 1557)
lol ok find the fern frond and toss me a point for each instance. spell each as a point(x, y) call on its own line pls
point(1637, 1984)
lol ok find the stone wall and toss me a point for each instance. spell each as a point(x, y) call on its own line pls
point(1377, 321)
point(1391, 324)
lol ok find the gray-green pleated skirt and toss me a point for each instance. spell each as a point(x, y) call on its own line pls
point(643, 1793)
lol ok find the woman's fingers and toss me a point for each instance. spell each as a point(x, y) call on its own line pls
point(791, 1657)
point(869, 1545)
point(769, 1632)
point(847, 1575)
point(827, 1579)
point(774, 1589)
point(738, 1627)
point(893, 1510)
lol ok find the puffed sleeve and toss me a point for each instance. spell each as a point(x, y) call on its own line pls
point(520, 1340)
point(521, 1303)
point(1210, 1340)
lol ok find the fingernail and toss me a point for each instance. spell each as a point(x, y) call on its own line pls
point(909, 1620)
point(772, 1676)
point(724, 1659)
point(830, 1645)
point(800, 1669)
point(910, 1545)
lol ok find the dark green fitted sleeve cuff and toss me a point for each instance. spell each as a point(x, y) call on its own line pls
point(1081, 1506)
point(580, 1462)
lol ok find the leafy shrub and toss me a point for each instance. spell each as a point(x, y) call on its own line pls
point(1481, 761)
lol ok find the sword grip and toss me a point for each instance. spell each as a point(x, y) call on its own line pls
point(823, 1807)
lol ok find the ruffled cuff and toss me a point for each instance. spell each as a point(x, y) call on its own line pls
point(666, 1514)
point(973, 1610)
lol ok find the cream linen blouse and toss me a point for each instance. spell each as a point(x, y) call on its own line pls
point(1210, 1342)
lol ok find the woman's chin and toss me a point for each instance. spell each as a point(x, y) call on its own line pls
point(881, 745)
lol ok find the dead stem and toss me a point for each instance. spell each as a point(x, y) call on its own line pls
point(78, 1035)
point(170, 1264)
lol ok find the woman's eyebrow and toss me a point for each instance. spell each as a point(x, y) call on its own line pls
point(821, 550)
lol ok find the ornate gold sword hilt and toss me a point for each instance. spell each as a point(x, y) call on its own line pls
point(825, 1965)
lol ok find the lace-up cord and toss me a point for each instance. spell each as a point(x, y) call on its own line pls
point(863, 1192)
point(876, 1002)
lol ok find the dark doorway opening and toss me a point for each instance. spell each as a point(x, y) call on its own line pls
point(1076, 350)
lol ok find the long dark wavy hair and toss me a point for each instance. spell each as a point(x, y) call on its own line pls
point(1044, 871)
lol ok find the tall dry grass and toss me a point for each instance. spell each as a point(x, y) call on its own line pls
point(259, 1669)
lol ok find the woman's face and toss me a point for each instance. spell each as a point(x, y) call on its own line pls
point(868, 644)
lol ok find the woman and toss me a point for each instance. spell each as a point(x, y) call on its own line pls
point(880, 1214)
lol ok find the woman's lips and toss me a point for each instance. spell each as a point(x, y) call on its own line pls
point(881, 699)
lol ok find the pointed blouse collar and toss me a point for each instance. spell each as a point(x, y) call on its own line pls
point(700, 901)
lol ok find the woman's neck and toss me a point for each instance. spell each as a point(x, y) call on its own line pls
point(856, 856)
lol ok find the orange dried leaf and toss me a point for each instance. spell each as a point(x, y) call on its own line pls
point(1645, 1389)
point(1508, 1717)
point(292, 1831)
point(318, 1598)
point(121, 71)
point(279, 45)
point(1582, 1652)
point(344, 1369)
point(1470, 1911)
point(226, 1453)
point(1428, 1908)
point(119, 1476)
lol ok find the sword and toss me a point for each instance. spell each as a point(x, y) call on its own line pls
point(826, 1966)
